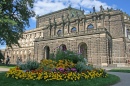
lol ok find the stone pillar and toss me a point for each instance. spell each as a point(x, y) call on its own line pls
point(36, 46)
point(84, 25)
point(78, 21)
point(95, 22)
point(102, 22)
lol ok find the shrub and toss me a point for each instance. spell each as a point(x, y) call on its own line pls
point(69, 55)
point(22, 66)
point(80, 66)
point(29, 65)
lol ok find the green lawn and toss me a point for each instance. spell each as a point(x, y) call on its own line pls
point(7, 66)
point(120, 70)
point(111, 79)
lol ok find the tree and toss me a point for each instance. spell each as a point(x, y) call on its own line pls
point(14, 17)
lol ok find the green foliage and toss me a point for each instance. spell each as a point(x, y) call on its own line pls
point(14, 17)
point(89, 67)
point(22, 66)
point(29, 65)
point(80, 66)
point(70, 55)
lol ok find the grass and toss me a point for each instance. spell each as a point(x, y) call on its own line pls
point(7, 66)
point(120, 70)
point(111, 79)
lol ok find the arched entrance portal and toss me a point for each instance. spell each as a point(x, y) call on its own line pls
point(83, 49)
point(63, 47)
point(47, 52)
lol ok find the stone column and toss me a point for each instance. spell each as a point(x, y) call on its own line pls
point(102, 18)
point(95, 22)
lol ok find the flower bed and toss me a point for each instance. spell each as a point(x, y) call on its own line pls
point(62, 70)
point(66, 66)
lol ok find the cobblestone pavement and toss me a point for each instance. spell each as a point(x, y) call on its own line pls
point(124, 78)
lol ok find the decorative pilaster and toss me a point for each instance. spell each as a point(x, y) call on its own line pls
point(63, 24)
point(54, 26)
point(95, 22)
point(50, 27)
point(78, 21)
point(68, 23)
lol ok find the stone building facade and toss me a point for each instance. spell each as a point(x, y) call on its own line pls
point(102, 37)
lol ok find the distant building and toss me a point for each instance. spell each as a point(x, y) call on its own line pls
point(2, 54)
point(102, 37)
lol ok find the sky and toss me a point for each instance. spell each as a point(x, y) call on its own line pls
point(42, 7)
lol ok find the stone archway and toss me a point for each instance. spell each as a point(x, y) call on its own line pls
point(63, 47)
point(47, 52)
point(83, 49)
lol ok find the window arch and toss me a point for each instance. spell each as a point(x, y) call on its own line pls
point(73, 29)
point(83, 49)
point(47, 52)
point(128, 33)
point(63, 47)
point(59, 32)
point(90, 26)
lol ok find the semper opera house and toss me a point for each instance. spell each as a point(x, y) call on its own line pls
point(102, 37)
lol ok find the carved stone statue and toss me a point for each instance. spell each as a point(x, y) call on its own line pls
point(94, 9)
point(101, 8)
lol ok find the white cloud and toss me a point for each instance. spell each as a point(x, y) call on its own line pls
point(42, 7)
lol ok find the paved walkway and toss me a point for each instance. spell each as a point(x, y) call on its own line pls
point(4, 69)
point(124, 78)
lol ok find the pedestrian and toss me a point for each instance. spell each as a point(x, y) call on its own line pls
point(7, 60)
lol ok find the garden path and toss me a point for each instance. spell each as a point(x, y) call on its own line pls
point(124, 78)
point(4, 69)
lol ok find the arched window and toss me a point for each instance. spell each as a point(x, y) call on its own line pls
point(47, 52)
point(128, 33)
point(90, 26)
point(83, 49)
point(73, 29)
point(63, 47)
point(59, 32)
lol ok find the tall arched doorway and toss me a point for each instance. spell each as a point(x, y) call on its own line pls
point(63, 47)
point(47, 52)
point(83, 49)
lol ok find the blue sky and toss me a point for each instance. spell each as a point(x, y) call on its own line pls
point(42, 7)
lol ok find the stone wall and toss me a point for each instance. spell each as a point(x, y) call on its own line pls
point(97, 44)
